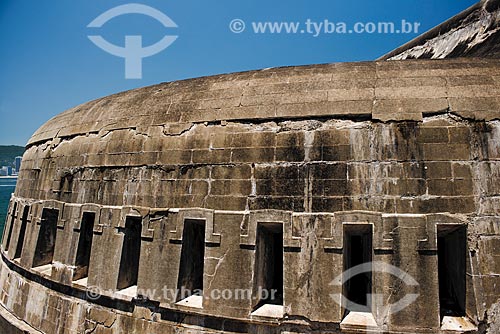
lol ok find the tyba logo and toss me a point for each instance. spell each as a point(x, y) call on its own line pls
point(133, 51)
point(376, 300)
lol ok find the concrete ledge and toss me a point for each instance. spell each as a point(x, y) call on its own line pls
point(458, 324)
point(269, 311)
point(359, 320)
point(194, 301)
point(9, 324)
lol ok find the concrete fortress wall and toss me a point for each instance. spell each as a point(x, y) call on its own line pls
point(403, 149)
point(475, 32)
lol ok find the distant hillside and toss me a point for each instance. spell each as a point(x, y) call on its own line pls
point(8, 153)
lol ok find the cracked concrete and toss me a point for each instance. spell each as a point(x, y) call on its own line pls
point(472, 33)
point(216, 267)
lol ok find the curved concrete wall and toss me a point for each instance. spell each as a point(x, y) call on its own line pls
point(403, 147)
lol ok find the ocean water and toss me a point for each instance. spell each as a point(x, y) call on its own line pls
point(7, 187)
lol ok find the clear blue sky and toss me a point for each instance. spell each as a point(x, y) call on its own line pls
point(47, 63)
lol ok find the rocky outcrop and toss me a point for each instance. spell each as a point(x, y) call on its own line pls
point(472, 33)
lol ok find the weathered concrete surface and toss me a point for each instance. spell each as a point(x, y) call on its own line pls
point(372, 90)
point(473, 33)
point(405, 147)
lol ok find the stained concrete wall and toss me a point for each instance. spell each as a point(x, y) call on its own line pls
point(302, 166)
point(402, 146)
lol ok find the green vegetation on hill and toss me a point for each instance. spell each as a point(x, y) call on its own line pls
point(9, 153)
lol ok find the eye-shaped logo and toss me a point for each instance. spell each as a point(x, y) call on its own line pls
point(375, 299)
point(133, 52)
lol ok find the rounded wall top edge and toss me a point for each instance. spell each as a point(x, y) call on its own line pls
point(337, 90)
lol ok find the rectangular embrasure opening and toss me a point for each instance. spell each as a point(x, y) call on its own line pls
point(84, 246)
point(452, 250)
point(11, 227)
point(358, 251)
point(268, 287)
point(22, 232)
point(131, 252)
point(190, 280)
point(44, 251)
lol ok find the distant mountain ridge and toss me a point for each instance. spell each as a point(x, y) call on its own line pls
point(8, 154)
